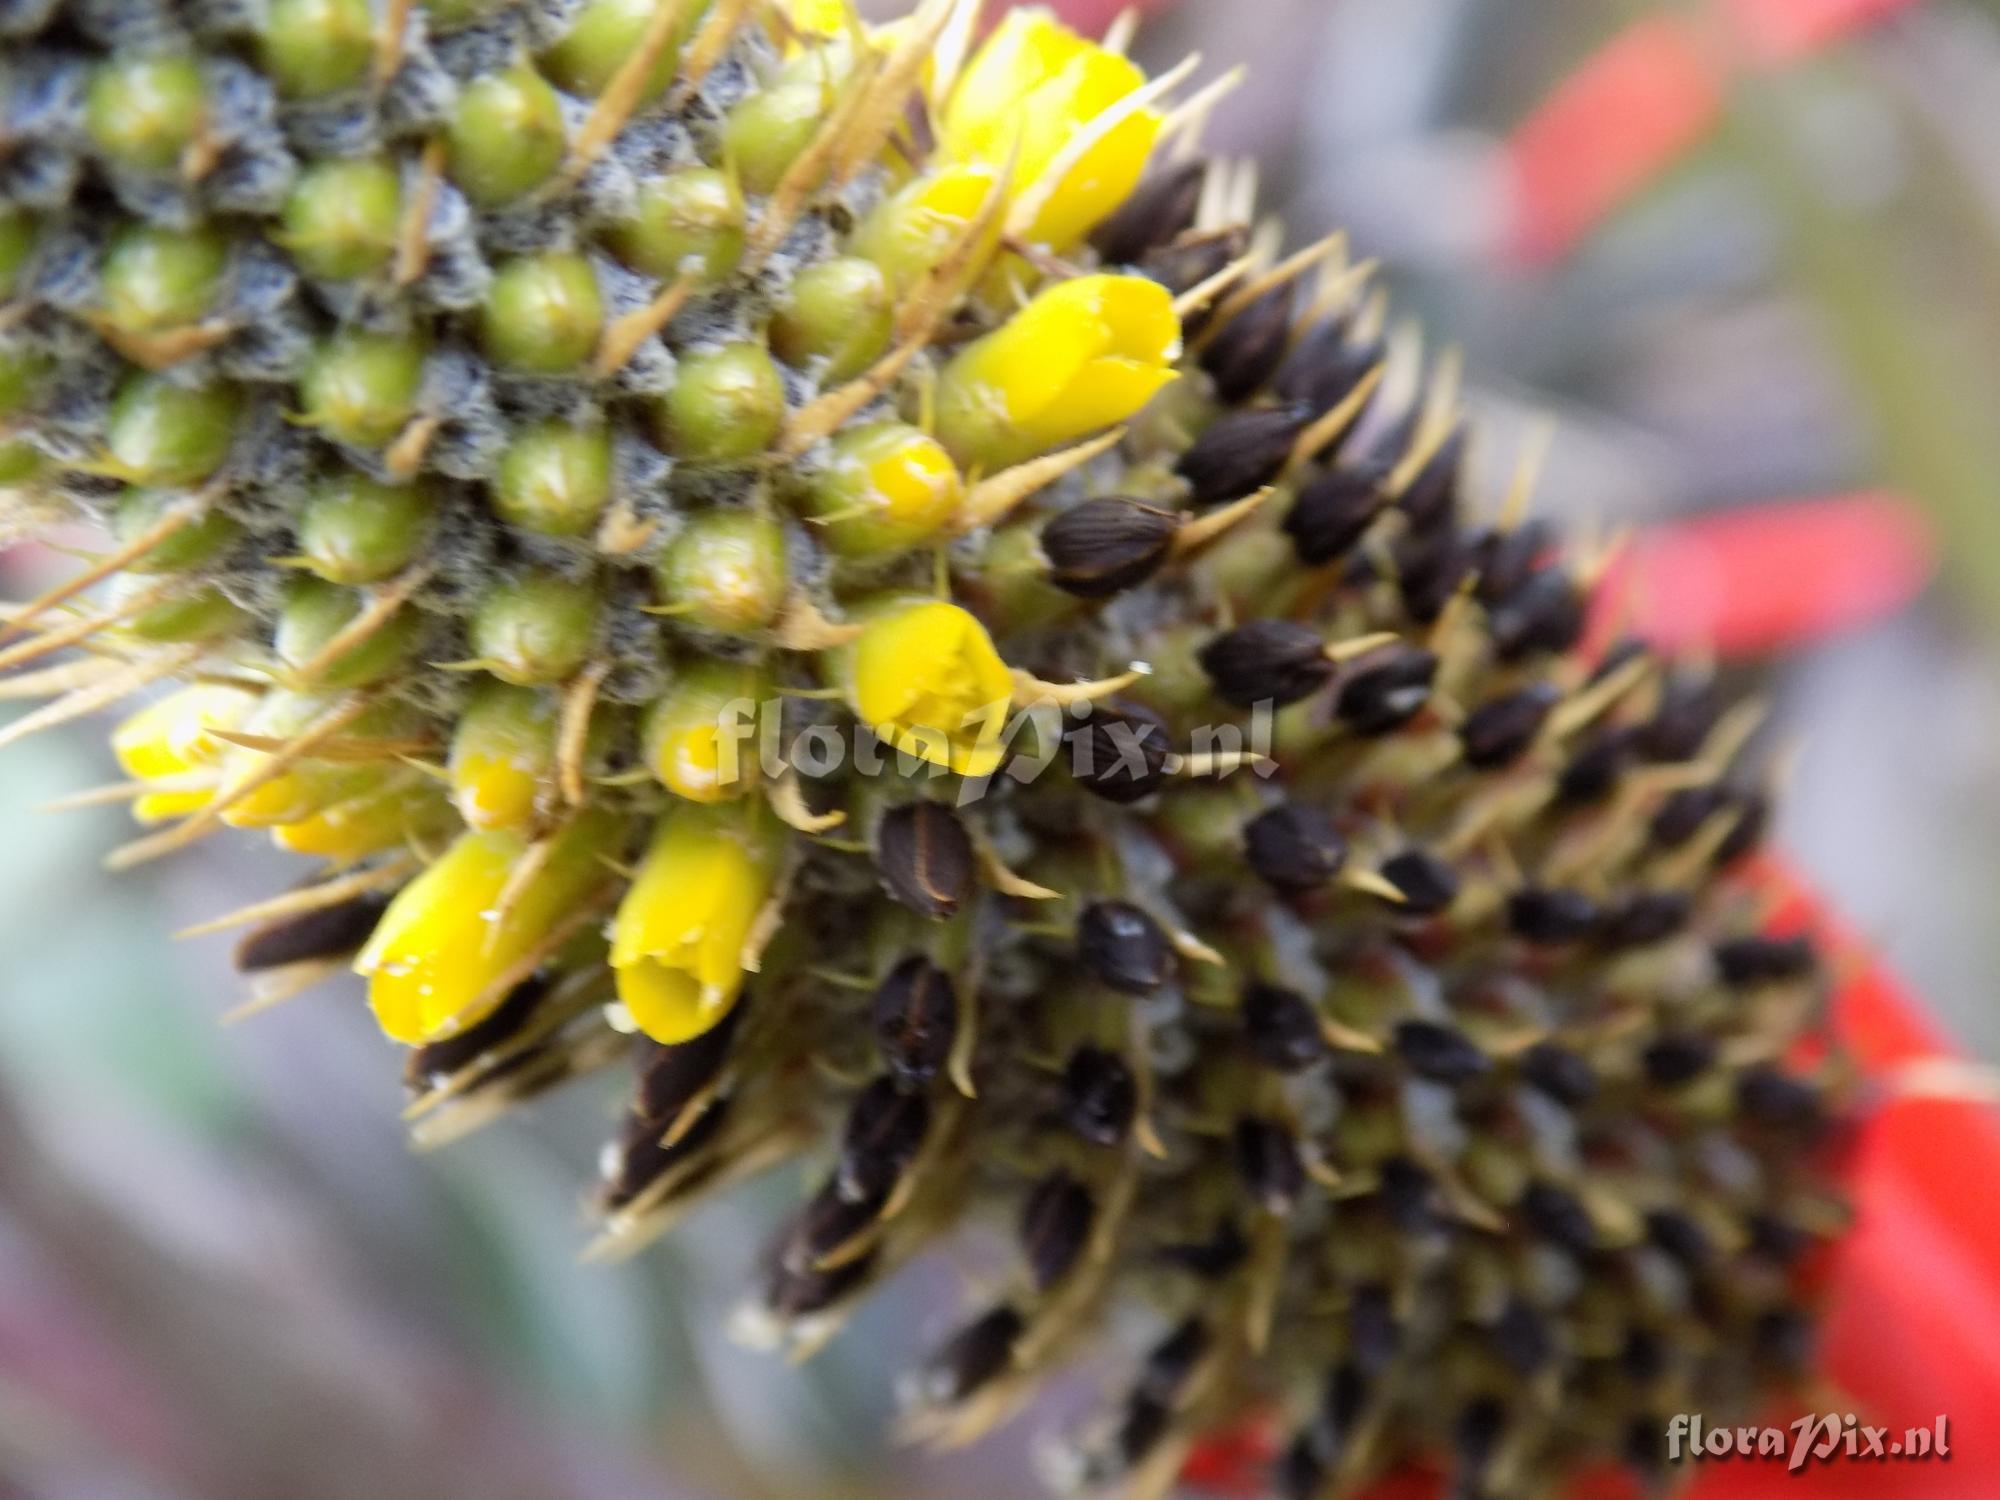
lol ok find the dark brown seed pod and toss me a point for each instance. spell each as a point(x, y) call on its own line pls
point(1345, 1396)
point(1558, 1072)
point(1508, 558)
point(1055, 1227)
point(1427, 883)
point(1386, 689)
point(1300, 1473)
point(1644, 918)
point(1681, 1237)
point(1240, 452)
point(1212, 1258)
point(1554, 1214)
point(1522, 1338)
point(671, 1077)
point(329, 932)
point(1746, 961)
point(426, 1065)
point(1172, 1360)
point(1282, 1028)
point(1161, 210)
point(1775, 1098)
point(1551, 916)
point(1100, 1097)
point(1294, 847)
point(802, 1291)
point(1266, 661)
point(1783, 1338)
point(1245, 353)
point(1140, 1428)
point(1324, 366)
point(1267, 1159)
point(973, 1357)
point(1595, 766)
point(1430, 568)
point(1442, 1054)
point(1430, 500)
point(1124, 947)
point(1107, 545)
point(1753, 820)
point(1688, 711)
point(1499, 731)
point(1334, 510)
point(1409, 1196)
point(1671, 1061)
point(1544, 616)
point(1680, 817)
point(925, 858)
point(829, 1223)
point(1193, 259)
point(643, 1154)
point(886, 1127)
point(916, 1019)
point(1119, 753)
point(1475, 1440)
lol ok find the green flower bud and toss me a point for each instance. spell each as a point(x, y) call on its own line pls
point(503, 754)
point(839, 316)
point(543, 314)
point(686, 221)
point(361, 388)
point(727, 405)
point(604, 35)
point(535, 630)
point(886, 488)
point(342, 218)
point(22, 371)
point(17, 243)
point(144, 112)
point(166, 434)
point(314, 47)
point(700, 737)
point(768, 130)
point(555, 478)
point(725, 571)
point(354, 530)
point(506, 136)
point(19, 463)
point(157, 278)
point(315, 611)
point(451, 15)
point(198, 542)
point(202, 614)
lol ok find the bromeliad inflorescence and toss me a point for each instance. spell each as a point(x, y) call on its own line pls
point(837, 565)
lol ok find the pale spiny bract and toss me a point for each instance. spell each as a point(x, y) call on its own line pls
point(498, 407)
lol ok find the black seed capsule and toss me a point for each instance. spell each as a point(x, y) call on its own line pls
point(1161, 209)
point(1386, 689)
point(1240, 452)
point(1594, 768)
point(1751, 825)
point(1334, 511)
point(1409, 1196)
point(916, 1019)
point(1522, 1338)
point(1244, 354)
point(1282, 1028)
point(438, 1060)
point(1107, 545)
point(1644, 1357)
point(330, 932)
point(1773, 1098)
point(673, 1076)
point(1748, 961)
point(1550, 916)
point(1688, 710)
point(1671, 1061)
point(1430, 568)
point(1442, 1054)
point(1100, 1097)
point(1294, 848)
point(1140, 1429)
point(1644, 918)
point(643, 1154)
point(1172, 1361)
point(1323, 368)
point(1561, 1074)
point(1507, 559)
point(1267, 1159)
point(1680, 817)
point(1344, 1397)
point(1554, 1214)
point(1191, 260)
point(1212, 1258)
point(1776, 1240)
point(1475, 1439)
point(1300, 1475)
point(885, 1130)
point(1681, 1237)
point(801, 1291)
point(1784, 1338)
point(972, 1357)
point(1055, 1226)
point(1124, 947)
point(1431, 498)
point(1428, 884)
point(830, 1223)
point(925, 858)
point(1499, 731)
point(1543, 615)
point(1119, 752)
point(1266, 661)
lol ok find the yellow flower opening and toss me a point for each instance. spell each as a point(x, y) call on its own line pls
point(171, 739)
point(886, 488)
point(1084, 355)
point(700, 738)
point(677, 943)
point(924, 676)
point(1033, 88)
point(501, 755)
point(446, 951)
point(916, 228)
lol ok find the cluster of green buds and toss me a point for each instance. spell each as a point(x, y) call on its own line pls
point(834, 565)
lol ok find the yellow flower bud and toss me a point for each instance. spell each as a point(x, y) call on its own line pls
point(503, 755)
point(699, 737)
point(821, 17)
point(1037, 83)
point(923, 675)
point(442, 953)
point(171, 739)
point(886, 488)
point(915, 228)
point(308, 785)
point(677, 943)
point(1084, 355)
point(367, 824)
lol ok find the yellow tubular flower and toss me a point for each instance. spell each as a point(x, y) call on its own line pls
point(915, 228)
point(367, 824)
point(1084, 355)
point(821, 17)
point(1038, 83)
point(677, 943)
point(923, 675)
point(700, 737)
point(441, 954)
point(171, 739)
